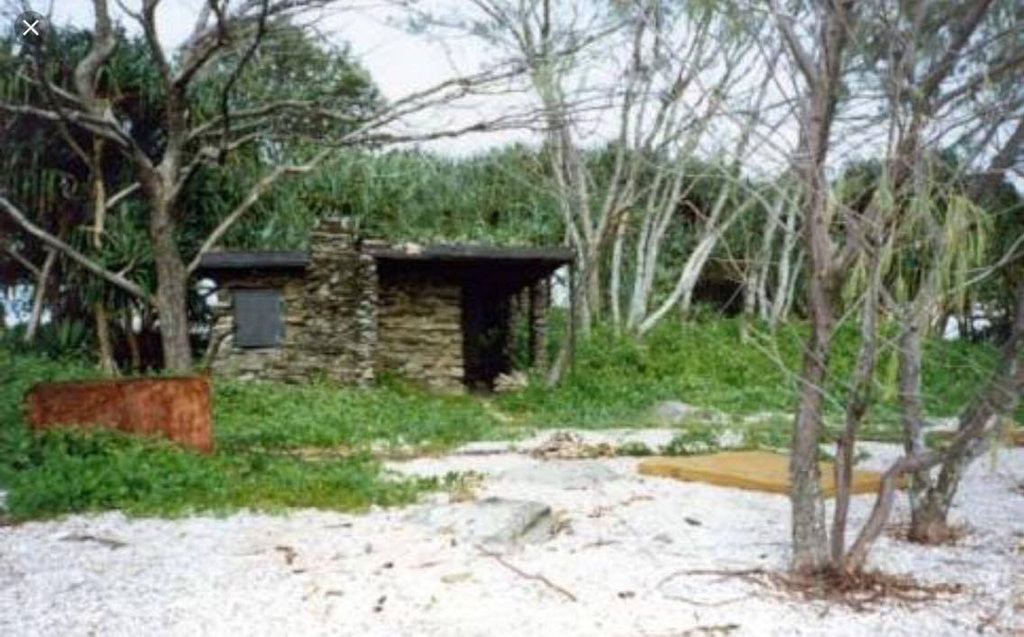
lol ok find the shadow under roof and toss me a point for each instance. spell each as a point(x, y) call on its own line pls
point(549, 258)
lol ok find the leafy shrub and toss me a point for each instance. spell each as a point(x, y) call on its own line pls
point(633, 448)
point(693, 440)
point(67, 470)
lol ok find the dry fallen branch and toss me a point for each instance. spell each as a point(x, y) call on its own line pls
point(751, 576)
point(531, 576)
point(110, 543)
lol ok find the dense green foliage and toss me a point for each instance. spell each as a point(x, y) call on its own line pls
point(268, 435)
point(703, 363)
point(499, 197)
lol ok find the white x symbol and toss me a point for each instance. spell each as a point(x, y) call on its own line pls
point(31, 28)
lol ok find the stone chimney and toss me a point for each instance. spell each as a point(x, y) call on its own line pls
point(332, 236)
point(340, 299)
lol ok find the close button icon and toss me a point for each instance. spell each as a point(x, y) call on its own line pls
point(30, 28)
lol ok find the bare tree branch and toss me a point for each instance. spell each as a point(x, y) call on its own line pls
point(803, 59)
point(111, 277)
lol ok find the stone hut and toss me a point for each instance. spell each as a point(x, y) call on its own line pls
point(349, 309)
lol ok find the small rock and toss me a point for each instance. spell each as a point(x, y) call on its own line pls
point(511, 382)
point(693, 521)
point(110, 543)
point(454, 578)
point(288, 552)
point(626, 594)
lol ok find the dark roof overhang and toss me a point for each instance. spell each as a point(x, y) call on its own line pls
point(551, 258)
point(212, 263)
point(518, 262)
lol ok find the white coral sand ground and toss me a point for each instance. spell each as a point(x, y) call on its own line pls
point(609, 571)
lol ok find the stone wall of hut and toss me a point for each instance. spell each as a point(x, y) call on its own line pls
point(270, 363)
point(420, 330)
point(343, 323)
point(329, 315)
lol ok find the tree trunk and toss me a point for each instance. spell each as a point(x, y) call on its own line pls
point(858, 401)
point(759, 280)
point(911, 406)
point(592, 287)
point(615, 284)
point(785, 283)
point(928, 523)
point(809, 535)
point(171, 293)
point(39, 296)
point(105, 351)
point(749, 307)
point(133, 344)
point(978, 429)
point(539, 300)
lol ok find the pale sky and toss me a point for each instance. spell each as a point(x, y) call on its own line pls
point(399, 63)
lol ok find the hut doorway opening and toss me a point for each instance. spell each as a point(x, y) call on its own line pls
point(486, 335)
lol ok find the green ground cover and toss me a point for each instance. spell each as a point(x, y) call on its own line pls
point(262, 430)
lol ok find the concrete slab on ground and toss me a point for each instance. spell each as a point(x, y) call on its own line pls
point(751, 470)
point(1013, 438)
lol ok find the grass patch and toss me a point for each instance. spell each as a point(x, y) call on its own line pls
point(68, 471)
point(257, 425)
point(262, 415)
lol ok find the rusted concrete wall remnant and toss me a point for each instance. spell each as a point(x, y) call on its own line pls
point(178, 408)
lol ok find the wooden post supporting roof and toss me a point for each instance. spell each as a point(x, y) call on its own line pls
point(539, 298)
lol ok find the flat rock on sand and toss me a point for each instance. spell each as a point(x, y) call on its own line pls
point(492, 521)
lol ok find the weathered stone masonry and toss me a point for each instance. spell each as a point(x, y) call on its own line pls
point(330, 316)
point(420, 326)
point(351, 310)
